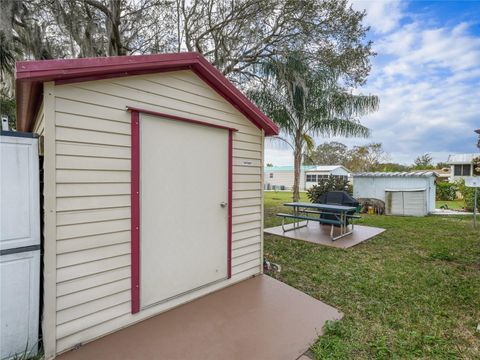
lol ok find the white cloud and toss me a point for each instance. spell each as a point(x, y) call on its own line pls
point(382, 15)
point(428, 51)
point(428, 79)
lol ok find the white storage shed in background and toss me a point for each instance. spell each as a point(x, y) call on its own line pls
point(152, 186)
point(404, 193)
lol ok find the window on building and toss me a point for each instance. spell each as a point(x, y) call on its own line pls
point(462, 170)
point(457, 170)
point(271, 175)
point(311, 178)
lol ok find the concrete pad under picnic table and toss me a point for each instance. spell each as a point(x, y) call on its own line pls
point(320, 234)
point(258, 318)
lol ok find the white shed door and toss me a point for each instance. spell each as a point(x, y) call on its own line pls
point(394, 203)
point(415, 203)
point(183, 225)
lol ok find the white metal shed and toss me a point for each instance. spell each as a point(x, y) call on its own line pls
point(152, 187)
point(404, 193)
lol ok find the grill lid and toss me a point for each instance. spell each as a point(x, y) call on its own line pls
point(339, 198)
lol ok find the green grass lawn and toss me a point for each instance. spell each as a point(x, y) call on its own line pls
point(411, 292)
point(454, 205)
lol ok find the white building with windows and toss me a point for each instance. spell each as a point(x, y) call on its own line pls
point(281, 177)
point(461, 166)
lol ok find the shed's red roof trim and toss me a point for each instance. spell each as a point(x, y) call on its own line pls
point(31, 74)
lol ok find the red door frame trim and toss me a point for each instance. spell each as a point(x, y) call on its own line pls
point(230, 190)
point(135, 196)
point(179, 118)
point(135, 211)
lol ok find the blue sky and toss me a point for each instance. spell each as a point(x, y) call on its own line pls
point(427, 75)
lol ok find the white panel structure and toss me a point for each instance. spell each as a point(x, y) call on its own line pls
point(394, 203)
point(19, 244)
point(406, 202)
point(20, 278)
point(415, 203)
point(19, 184)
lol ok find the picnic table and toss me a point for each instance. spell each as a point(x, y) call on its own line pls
point(328, 214)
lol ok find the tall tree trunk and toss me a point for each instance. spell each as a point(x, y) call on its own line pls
point(297, 163)
point(113, 27)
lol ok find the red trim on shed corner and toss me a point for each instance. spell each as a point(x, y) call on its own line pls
point(230, 190)
point(179, 118)
point(135, 211)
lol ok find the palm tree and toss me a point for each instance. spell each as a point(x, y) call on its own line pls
point(307, 100)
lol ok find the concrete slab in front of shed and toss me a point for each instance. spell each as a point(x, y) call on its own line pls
point(259, 318)
point(320, 234)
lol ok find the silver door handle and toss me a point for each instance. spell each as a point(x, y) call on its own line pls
point(223, 204)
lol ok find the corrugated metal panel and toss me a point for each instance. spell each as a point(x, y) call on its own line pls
point(408, 203)
point(394, 203)
point(414, 203)
point(461, 158)
point(93, 193)
point(397, 174)
point(304, 168)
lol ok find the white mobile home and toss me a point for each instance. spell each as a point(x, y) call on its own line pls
point(461, 166)
point(152, 175)
point(404, 193)
point(281, 177)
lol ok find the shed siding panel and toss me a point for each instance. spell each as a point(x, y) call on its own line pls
point(92, 135)
point(89, 282)
point(92, 241)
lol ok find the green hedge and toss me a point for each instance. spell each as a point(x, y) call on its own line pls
point(446, 191)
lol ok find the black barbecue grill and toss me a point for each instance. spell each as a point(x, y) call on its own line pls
point(337, 198)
